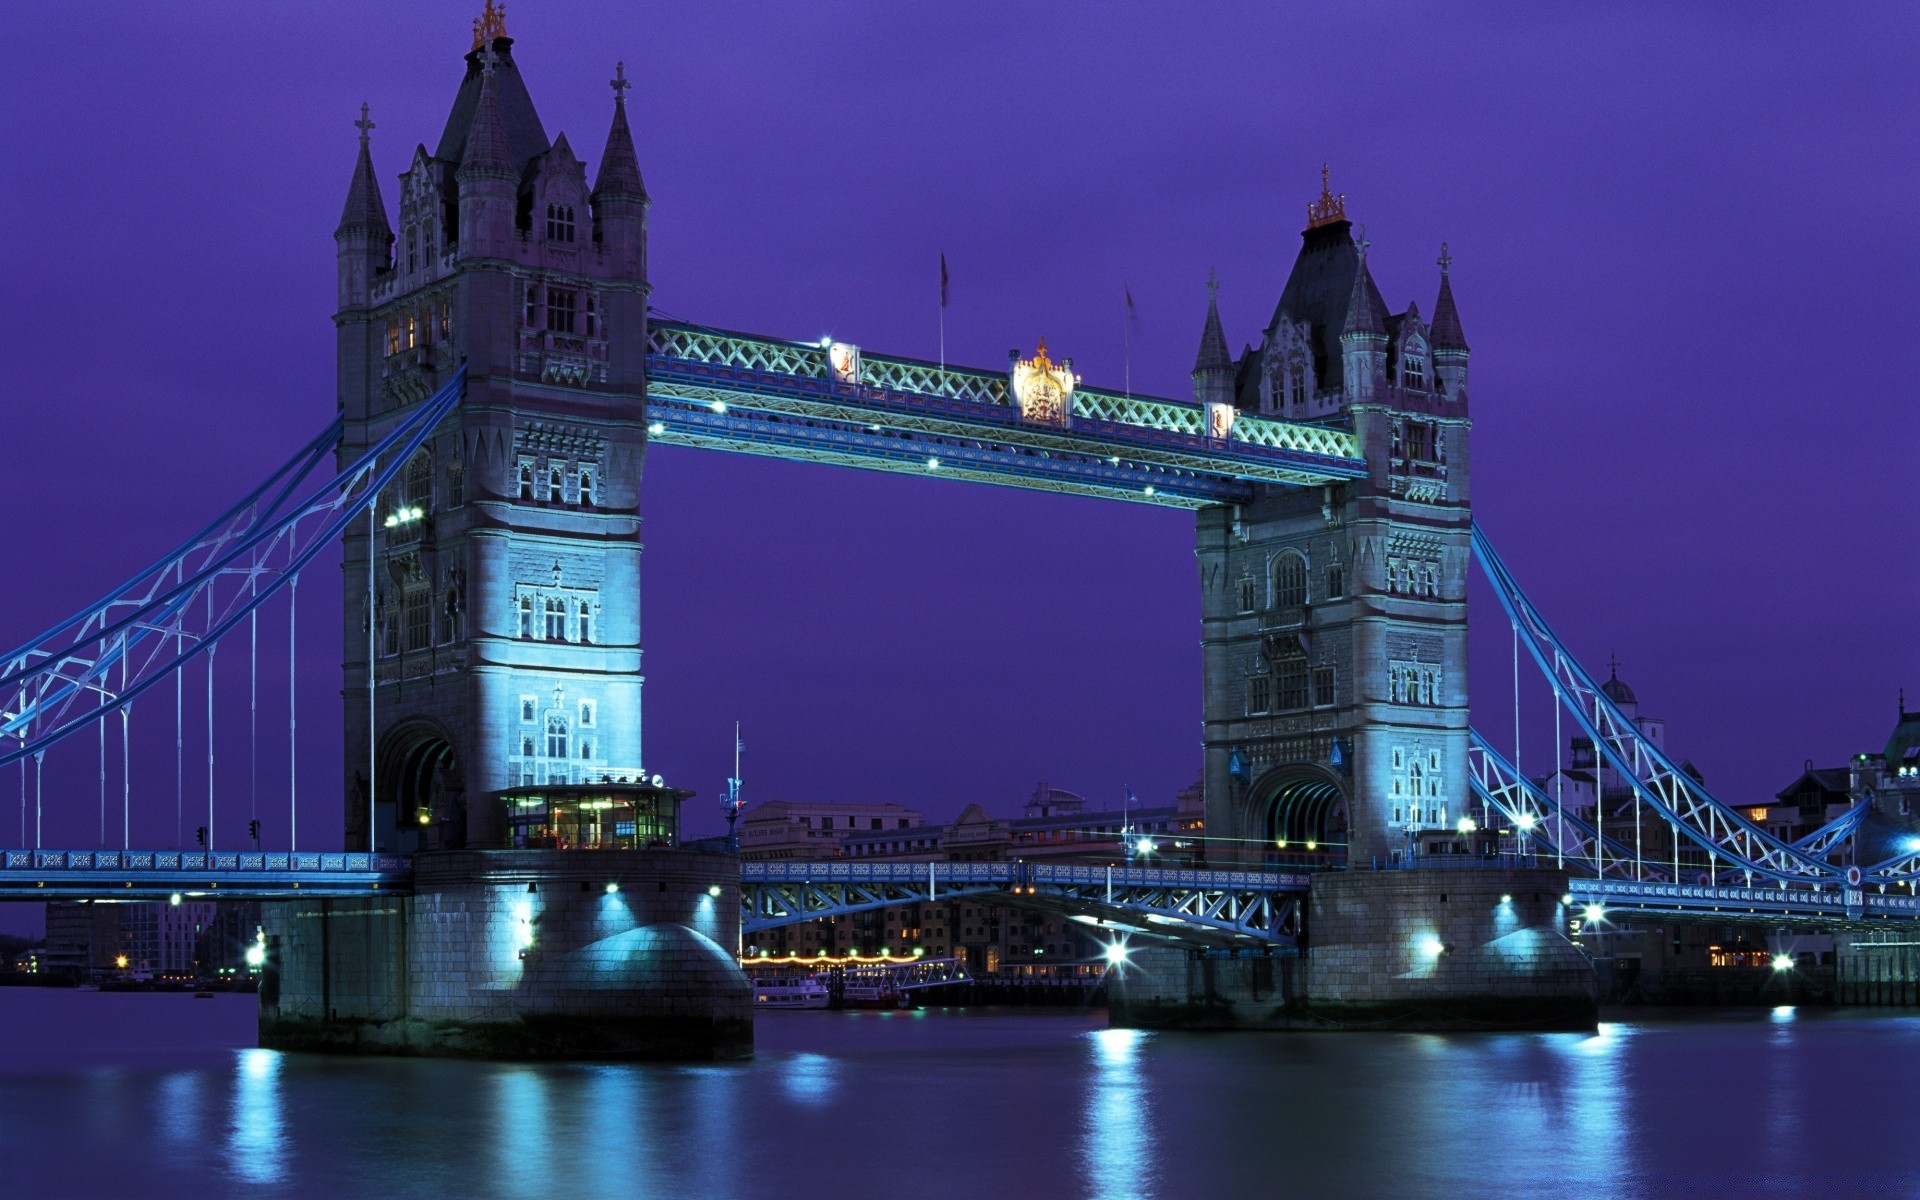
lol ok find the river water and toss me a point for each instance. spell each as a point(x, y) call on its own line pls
point(106, 1094)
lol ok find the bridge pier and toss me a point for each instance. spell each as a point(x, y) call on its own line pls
point(518, 954)
point(1476, 948)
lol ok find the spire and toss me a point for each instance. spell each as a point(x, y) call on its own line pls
point(365, 210)
point(486, 148)
point(1329, 207)
point(1213, 339)
point(1362, 315)
point(619, 167)
point(1447, 334)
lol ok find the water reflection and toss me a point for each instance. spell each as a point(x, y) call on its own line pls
point(1594, 1133)
point(1116, 1143)
point(180, 1107)
point(254, 1145)
point(523, 1127)
point(809, 1079)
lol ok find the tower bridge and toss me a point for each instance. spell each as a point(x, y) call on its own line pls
point(509, 860)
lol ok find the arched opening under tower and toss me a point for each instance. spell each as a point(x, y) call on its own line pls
point(1305, 819)
point(421, 804)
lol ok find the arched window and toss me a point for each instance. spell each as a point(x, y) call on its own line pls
point(413, 249)
point(526, 479)
point(1413, 365)
point(593, 317)
point(526, 746)
point(559, 222)
point(526, 616)
point(556, 484)
point(556, 620)
point(586, 624)
point(556, 736)
point(419, 490)
point(426, 240)
point(533, 306)
point(1297, 380)
point(456, 484)
point(586, 485)
point(1290, 681)
point(1289, 581)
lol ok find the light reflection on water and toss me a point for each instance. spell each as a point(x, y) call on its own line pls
point(847, 1106)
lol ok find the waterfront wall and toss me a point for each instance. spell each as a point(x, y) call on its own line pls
point(519, 954)
point(1471, 948)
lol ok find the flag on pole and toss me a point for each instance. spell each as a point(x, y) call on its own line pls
point(1133, 316)
point(943, 279)
point(1127, 328)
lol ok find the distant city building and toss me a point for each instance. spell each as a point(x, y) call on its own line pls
point(787, 829)
point(184, 942)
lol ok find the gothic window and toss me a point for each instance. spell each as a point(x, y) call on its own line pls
point(556, 736)
point(526, 745)
point(593, 317)
point(533, 306)
point(1246, 595)
point(1432, 574)
point(556, 483)
point(586, 714)
point(526, 711)
point(393, 337)
point(450, 616)
point(1336, 581)
point(526, 616)
point(556, 620)
point(419, 489)
point(1259, 694)
point(586, 749)
point(1413, 369)
point(586, 485)
point(413, 331)
point(426, 240)
point(413, 249)
point(446, 320)
point(1322, 686)
point(1290, 682)
point(586, 621)
point(1417, 440)
point(559, 222)
point(456, 484)
point(560, 310)
point(1297, 380)
point(1289, 581)
point(526, 479)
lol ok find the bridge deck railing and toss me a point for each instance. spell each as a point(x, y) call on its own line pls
point(117, 861)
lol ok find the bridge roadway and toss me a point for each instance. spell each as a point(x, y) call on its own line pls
point(718, 390)
point(1207, 907)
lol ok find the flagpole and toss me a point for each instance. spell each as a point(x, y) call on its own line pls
point(1126, 342)
point(943, 310)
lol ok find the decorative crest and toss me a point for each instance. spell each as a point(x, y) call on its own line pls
point(1329, 207)
point(1042, 388)
point(1446, 259)
point(619, 83)
point(363, 124)
point(490, 24)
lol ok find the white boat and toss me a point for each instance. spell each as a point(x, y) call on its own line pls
point(800, 992)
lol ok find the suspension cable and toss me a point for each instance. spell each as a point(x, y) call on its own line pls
point(293, 772)
point(373, 506)
point(253, 712)
point(210, 652)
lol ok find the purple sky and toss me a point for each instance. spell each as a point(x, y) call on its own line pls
point(1683, 254)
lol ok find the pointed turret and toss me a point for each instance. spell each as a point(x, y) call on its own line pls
point(619, 198)
point(488, 178)
point(364, 239)
point(365, 210)
point(619, 166)
point(1447, 334)
point(1213, 366)
point(1449, 342)
point(485, 151)
point(1363, 337)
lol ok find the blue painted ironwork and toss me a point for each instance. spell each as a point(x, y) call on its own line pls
point(1829, 905)
point(128, 875)
point(1207, 907)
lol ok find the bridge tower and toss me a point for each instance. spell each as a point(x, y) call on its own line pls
point(503, 614)
point(1334, 621)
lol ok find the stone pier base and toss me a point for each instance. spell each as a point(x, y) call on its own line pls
point(1478, 948)
point(518, 954)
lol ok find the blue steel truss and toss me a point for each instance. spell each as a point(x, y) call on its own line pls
point(128, 875)
point(1618, 900)
point(100, 659)
point(1196, 906)
point(718, 390)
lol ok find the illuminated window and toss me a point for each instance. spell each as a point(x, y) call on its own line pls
point(1289, 581)
point(560, 310)
point(559, 222)
point(446, 318)
point(393, 337)
point(556, 619)
point(586, 621)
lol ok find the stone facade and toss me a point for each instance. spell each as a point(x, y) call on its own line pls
point(1334, 621)
point(504, 612)
point(519, 954)
point(1470, 949)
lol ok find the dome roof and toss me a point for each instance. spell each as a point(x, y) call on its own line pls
point(1618, 692)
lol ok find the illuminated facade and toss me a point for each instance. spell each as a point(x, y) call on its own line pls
point(1334, 618)
point(503, 616)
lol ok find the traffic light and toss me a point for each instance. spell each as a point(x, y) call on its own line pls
point(253, 830)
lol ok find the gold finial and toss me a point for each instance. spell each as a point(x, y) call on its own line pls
point(1040, 360)
point(490, 24)
point(1329, 207)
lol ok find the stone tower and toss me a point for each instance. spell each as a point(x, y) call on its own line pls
point(1334, 621)
point(504, 609)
